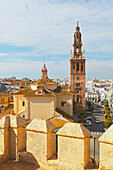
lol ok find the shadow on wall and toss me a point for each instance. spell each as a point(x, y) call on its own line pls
point(78, 108)
point(28, 158)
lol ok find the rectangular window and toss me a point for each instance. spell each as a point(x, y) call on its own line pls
point(81, 67)
point(23, 103)
point(77, 78)
point(77, 99)
point(77, 67)
point(73, 66)
point(62, 103)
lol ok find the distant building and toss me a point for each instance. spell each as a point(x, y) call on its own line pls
point(4, 96)
point(92, 96)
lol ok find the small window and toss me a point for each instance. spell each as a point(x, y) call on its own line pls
point(62, 103)
point(77, 99)
point(43, 74)
point(23, 115)
point(73, 66)
point(23, 103)
point(77, 91)
point(77, 78)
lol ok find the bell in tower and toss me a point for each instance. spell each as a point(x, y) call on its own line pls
point(77, 73)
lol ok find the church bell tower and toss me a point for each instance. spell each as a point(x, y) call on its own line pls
point(77, 73)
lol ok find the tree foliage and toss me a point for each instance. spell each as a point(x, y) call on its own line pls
point(108, 122)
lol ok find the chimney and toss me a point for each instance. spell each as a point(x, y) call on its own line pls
point(42, 89)
point(37, 90)
point(19, 87)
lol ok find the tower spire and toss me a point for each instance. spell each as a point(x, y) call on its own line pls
point(77, 23)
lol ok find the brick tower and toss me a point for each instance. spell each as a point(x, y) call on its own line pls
point(77, 73)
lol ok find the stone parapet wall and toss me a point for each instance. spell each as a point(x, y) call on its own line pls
point(12, 137)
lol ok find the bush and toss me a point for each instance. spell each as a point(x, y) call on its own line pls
point(108, 112)
point(108, 122)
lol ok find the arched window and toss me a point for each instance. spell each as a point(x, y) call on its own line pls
point(77, 67)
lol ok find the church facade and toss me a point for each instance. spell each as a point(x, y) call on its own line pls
point(44, 99)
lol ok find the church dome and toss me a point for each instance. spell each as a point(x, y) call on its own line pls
point(3, 88)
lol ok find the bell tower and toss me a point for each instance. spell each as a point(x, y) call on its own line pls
point(44, 72)
point(77, 72)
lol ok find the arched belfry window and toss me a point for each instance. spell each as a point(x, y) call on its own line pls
point(81, 67)
point(44, 74)
point(77, 67)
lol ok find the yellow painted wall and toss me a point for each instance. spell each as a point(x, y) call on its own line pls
point(39, 107)
point(18, 103)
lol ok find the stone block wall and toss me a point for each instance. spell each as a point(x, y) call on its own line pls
point(12, 137)
point(41, 142)
point(4, 139)
point(74, 145)
point(106, 150)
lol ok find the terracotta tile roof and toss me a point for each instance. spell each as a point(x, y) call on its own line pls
point(60, 91)
point(44, 81)
point(58, 122)
point(24, 91)
point(45, 94)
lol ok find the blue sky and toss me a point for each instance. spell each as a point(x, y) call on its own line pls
point(34, 30)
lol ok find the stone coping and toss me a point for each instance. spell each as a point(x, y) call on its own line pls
point(13, 121)
point(107, 136)
point(4, 122)
point(41, 125)
point(75, 130)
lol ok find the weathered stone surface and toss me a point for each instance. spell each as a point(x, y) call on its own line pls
point(106, 150)
point(74, 130)
point(17, 121)
point(74, 145)
point(41, 142)
point(4, 122)
point(107, 136)
point(40, 125)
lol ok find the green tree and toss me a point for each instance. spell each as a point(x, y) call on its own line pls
point(108, 122)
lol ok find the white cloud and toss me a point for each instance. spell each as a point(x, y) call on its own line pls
point(99, 69)
point(25, 68)
point(50, 26)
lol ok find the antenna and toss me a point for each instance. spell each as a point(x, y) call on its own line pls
point(44, 60)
